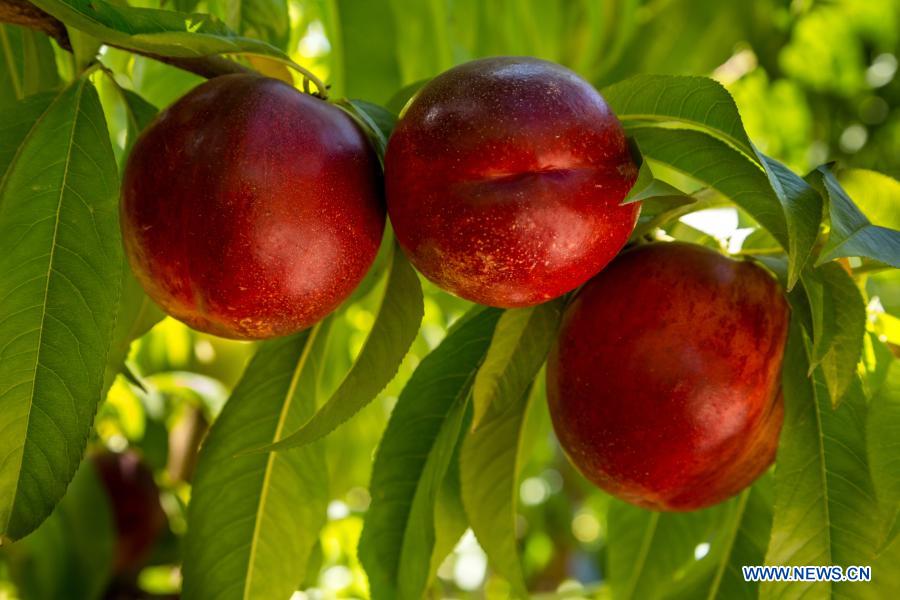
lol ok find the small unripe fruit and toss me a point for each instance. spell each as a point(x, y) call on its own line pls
point(251, 210)
point(664, 385)
point(504, 181)
point(134, 499)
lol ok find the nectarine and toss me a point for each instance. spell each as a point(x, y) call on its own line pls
point(664, 385)
point(504, 180)
point(251, 210)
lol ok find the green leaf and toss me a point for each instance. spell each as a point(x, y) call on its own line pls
point(748, 537)
point(825, 511)
point(649, 552)
point(399, 100)
point(659, 210)
point(719, 166)
point(84, 48)
point(490, 464)
point(139, 114)
point(838, 325)
point(363, 66)
point(254, 519)
point(395, 328)
point(136, 314)
point(398, 538)
point(17, 120)
point(450, 520)
point(876, 194)
point(266, 20)
point(60, 270)
point(71, 554)
point(741, 539)
point(521, 341)
point(163, 32)
point(802, 212)
point(851, 232)
point(27, 64)
point(376, 121)
point(695, 101)
point(883, 433)
point(646, 186)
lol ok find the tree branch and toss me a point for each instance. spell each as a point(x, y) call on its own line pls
point(26, 14)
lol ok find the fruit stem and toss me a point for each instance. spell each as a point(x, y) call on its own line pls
point(307, 75)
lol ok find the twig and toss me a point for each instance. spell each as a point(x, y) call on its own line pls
point(25, 14)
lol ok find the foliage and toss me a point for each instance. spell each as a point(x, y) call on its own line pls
point(732, 123)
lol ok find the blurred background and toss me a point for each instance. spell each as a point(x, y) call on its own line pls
point(814, 82)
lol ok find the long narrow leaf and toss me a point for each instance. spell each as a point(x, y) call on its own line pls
point(60, 269)
point(253, 520)
point(398, 538)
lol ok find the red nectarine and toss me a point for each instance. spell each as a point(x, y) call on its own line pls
point(251, 210)
point(504, 181)
point(664, 385)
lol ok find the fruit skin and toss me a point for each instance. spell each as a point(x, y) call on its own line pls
point(251, 210)
point(134, 499)
point(664, 385)
point(504, 178)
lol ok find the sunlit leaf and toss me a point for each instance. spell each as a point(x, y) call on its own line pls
point(396, 325)
point(60, 270)
point(450, 520)
point(490, 464)
point(719, 166)
point(163, 32)
point(838, 314)
point(877, 195)
point(650, 552)
point(253, 519)
point(852, 234)
point(741, 539)
point(883, 437)
point(413, 458)
point(696, 101)
point(521, 341)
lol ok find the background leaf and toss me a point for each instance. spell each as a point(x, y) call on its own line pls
point(266, 20)
point(60, 269)
point(363, 66)
point(254, 519)
point(80, 535)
